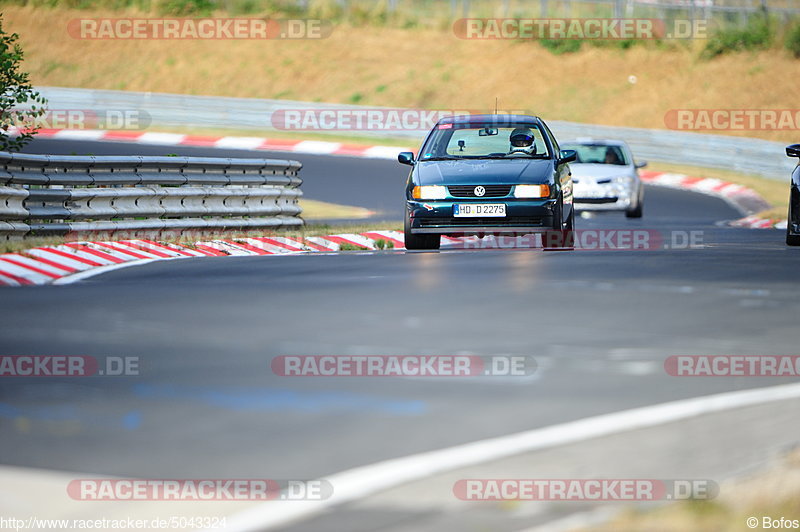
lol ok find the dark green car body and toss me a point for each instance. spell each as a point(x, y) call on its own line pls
point(497, 179)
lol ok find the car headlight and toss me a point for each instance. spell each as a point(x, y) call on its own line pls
point(532, 191)
point(623, 180)
point(429, 192)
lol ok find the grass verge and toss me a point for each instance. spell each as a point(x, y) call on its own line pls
point(635, 87)
point(311, 229)
point(321, 210)
point(774, 493)
point(775, 192)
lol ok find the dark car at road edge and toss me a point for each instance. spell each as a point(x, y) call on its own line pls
point(793, 219)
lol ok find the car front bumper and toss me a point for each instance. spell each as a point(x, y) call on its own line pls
point(522, 216)
point(606, 197)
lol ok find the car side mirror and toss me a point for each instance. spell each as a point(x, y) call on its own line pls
point(793, 150)
point(567, 156)
point(405, 157)
point(640, 164)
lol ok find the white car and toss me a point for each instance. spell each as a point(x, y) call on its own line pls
point(606, 177)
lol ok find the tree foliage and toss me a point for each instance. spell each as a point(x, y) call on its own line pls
point(20, 104)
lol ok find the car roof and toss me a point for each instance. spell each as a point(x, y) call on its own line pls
point(491, 118)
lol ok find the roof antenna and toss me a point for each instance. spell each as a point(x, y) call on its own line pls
point(495, 105)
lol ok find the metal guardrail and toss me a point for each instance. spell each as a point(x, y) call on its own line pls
point(57, 195)
point(759, 157)
point(746, 155)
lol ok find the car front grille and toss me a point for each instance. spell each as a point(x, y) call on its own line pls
point(511, 221)
point(468, 191)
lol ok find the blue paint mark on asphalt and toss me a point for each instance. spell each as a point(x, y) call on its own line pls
point(132, 420)
point(59, 413)
point(272, 399)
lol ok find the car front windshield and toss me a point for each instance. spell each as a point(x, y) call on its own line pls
point(598, 154)
point(479, 141)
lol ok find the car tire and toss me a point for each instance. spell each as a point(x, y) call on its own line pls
point(558, 215)
point(414, 242)
point(791, 238)
point(636, 212)
point(571, 220)
point(562, 235)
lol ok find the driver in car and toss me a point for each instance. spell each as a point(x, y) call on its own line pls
point(522, 143)
point(612, 157)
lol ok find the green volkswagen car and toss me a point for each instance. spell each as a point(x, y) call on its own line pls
point(487, 174)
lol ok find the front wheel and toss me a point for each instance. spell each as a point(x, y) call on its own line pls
point(419, 241)
point(637, 211)
point(571, 220)
point(558, 215)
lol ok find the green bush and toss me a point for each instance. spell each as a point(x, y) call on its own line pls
point(621, 44)
point(793, 40)
point(756, 35)
point(185, 8)
point(561, 46)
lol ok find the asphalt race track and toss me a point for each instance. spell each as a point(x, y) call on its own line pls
point(206, 404)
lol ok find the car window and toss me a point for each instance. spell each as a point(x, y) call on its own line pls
point(480, 141)
point(599, 154)
point(552, 137)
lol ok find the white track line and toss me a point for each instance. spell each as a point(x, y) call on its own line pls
point(80, 276)
point(360, 482)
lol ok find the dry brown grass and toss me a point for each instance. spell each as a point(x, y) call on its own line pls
point(312, 212)
point(415, 68)
point(774, 493)
point(775, 192)
point(321, 210)
point(311, 229)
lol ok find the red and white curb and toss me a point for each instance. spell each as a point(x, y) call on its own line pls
point(754, 222)
point(71, 261)
point(746, 200)
point(310, 147)
point(64, 263)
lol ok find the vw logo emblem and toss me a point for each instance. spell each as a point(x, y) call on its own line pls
point(479, 191)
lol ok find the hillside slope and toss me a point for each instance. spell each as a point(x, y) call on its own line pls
point(416, 68)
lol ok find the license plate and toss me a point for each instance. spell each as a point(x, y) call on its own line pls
point(590, 193)
point(479, 210)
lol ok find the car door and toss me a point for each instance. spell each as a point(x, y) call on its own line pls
point(563, 173)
